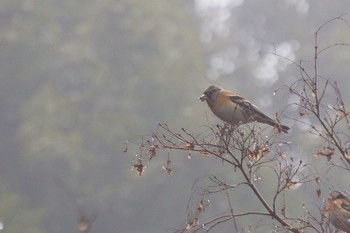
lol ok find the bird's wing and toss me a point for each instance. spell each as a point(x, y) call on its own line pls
point(346, 205)
point(245, 104)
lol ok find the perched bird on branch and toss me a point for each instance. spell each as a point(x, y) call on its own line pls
point(234, 109)
point(338, 208)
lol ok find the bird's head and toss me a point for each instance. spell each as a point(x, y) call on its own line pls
point(211, 93)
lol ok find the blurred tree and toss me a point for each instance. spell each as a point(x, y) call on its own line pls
point(17, 215)
point(107, 67)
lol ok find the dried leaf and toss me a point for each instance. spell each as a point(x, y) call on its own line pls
point(317, 179)
point(193, 218)
point(125, 147)
point(290, 184)
point(283, 211)
point(84, 224)
point(283, 156)
point(201, 207)
point(189, 146)
point(327, 152)
point(140, 168)
point(189, 156)
point(259, 152)
point(191, 222)
point(302, 114)
point(318, 192)
point(152, 151)
point(168, 168)
point(204, 153)
point(347, 154)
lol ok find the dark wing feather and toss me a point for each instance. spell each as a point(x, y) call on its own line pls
point(254, 113)
point(245, 104)
point(346, 204)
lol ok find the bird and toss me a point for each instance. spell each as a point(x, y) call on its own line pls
point(338, 208)
point(234, 109)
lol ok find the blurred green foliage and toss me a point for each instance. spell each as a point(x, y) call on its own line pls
point(78, 78)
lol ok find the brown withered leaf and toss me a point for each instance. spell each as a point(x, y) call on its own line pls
point(125, 150)
point(283, 211)
point(327, 152)
point(259, 152)
point(84, 224)
point(152, 151)
point(189, 156)
point(282, 155)
point(204, 153)
point(193, 218)
point(264, 150)
point(168, 168)
point(255, 155)
point(347, 154)
point(191, 222)
point(317, 179)
point(140, 168)
point(290, 183)
point(302, 114)
point(189, 146)
point(318, 192)
point(201, 207)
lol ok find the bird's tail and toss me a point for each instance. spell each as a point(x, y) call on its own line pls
point(282, 128)
point(278, 126)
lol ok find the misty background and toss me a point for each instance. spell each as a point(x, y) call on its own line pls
point(83, 80)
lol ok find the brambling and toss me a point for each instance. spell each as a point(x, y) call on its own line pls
point(234, 109)
point(338, 208)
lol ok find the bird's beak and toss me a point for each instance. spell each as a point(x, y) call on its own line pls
point(203, 97)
